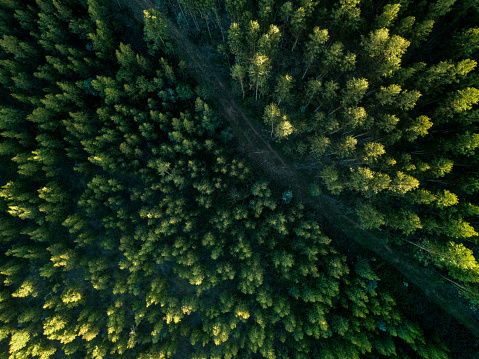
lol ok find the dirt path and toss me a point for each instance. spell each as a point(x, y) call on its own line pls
point(264, 156)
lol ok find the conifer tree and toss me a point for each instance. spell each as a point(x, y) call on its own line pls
point(156, 32)
point(259, 71)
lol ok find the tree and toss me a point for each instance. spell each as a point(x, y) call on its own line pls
point(102, 39)
point(385, 51)
point(315, 46)
point(56, 199)
point(387, 95)
point(128, 61)
point(236, 40)
point(458, 259)
point(108, 88)
point(404, 220)
point(363, 180)
point(460, 101)
point(274, 116)
point(252, 36)
point(439, 9)
point(284, 128)
point(319, 145)
point(335, 60)
point(371, 152)
point(463, 144)
point(283, 88)
point(354, 91)
point(387, 17)
point(22, 51)
point(331, 179)
point(354, 117)
point(239, 10)
point(439, 167)
point(312, 89)
point(453, 227)
point(404, 27)
point(265, 10)
point(443, 73)
point(369, 217)
point(467, 42)
point(345, 147)
point(403, 183)
point(298, 24)
point(259, 71)
point(268, 43)
point(421, 31)
point(346, 15)
point(418, 128)
point(238, 72)
point(156, 32)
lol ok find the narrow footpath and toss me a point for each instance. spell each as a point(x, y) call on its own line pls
point(264, 156)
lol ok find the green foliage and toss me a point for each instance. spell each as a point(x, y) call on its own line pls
point(384, 51)
point(467, 42)
point(128, 228)
point(259, 72)
point(238, 72)
point(369, 217)
point(156, 32)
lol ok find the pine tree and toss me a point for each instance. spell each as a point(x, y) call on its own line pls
point(259, 71)
point(156, 32)
point(388, 16)
point(384, 51)
point(314, 46)
point(238, 72)
point(268, 43)
point(236, 40)
point(467, 42)
point(369, 217)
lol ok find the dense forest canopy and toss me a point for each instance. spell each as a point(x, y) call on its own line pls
point(380, 99)
point(130, 227)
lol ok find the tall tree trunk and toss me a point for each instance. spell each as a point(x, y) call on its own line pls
point(294, 45)
point(218, 20)
point(307, 68)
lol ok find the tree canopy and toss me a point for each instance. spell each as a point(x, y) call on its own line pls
point(130, 227)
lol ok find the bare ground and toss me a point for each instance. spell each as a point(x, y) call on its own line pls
point(262, 153)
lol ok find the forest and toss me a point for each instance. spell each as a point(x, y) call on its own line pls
point(136, 222)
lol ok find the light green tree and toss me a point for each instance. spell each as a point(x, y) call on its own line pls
point(238, 72)
point(259, 71)
point(403, 183)
point(371, 152)
point(236, 42)
point(314, 46)
point(319, 145)
point(467, 42)
point(268, 43)
point(354, 91)
point(332, 180)
point(384, 51)
point(345, 146)
point(283, 88)
point(369, 216)
point(156, 32)
point(388, 16)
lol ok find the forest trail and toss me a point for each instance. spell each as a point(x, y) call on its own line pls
point(264, 156)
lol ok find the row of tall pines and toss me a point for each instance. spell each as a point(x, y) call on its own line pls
point(128, 229)
point(380, 98)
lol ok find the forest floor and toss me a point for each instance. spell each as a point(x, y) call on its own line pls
point(260, 150)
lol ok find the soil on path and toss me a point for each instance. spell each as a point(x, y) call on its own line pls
point(262, 153)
